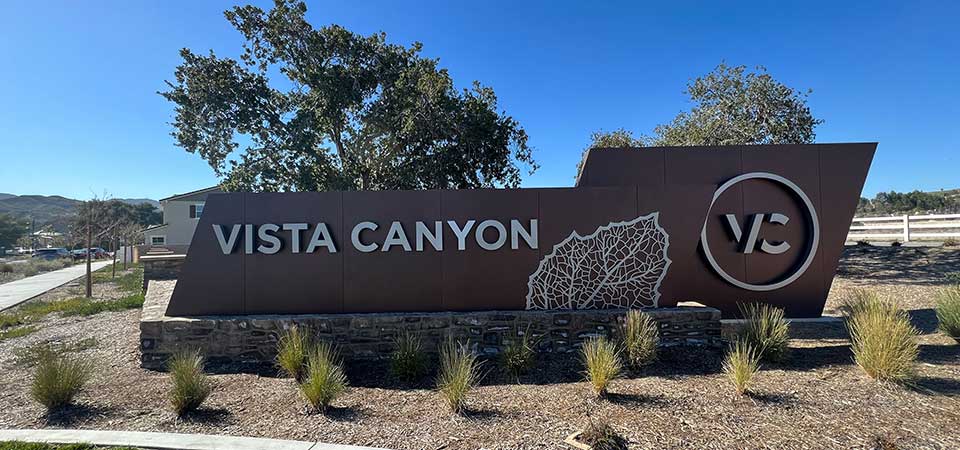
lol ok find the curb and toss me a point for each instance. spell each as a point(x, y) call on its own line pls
point(165, 441)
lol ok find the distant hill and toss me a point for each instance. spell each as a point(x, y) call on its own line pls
point(137, 201)
point(52, 210)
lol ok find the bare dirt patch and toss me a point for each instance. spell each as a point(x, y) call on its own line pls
point(816, 399)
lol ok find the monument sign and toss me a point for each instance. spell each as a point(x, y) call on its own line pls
point(642, 228)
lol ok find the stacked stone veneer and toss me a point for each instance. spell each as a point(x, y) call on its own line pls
point(253, 339)
point(161, 267)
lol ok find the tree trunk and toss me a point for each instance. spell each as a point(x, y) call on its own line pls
point(114, 258)
point(89, 243)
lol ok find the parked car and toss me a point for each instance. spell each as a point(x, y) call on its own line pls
point(95, 253)
point(50, 254)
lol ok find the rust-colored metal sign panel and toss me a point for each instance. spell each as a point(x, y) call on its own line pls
point(642, 228)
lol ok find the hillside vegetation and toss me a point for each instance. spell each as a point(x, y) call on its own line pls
point(916, 202)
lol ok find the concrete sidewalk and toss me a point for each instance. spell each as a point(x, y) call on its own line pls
point(165, 441)
point(17, 292)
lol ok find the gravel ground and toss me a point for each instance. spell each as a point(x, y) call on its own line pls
point(817, 399)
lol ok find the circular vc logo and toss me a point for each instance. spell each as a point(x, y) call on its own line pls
point(754, 229)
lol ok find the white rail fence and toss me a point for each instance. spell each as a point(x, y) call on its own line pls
point(905, 228)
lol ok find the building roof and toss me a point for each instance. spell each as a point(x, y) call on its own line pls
point(198, 191)
point(154, 227)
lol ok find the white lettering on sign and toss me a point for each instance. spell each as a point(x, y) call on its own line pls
point(270, 238)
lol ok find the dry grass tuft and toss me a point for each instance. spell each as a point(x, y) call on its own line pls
point(189, 385)
point(600, 435)
point(408, 361)
point(641, 335)
point(741, 364)
point(518, 355)
point(601, 358)
point(292, 351)
point(766, 330)
point(58, 379)
point(325, 379)
point(459, 373)
point(948, 311)
point(883, 340)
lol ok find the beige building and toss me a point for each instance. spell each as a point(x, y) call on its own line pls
point(180, 216)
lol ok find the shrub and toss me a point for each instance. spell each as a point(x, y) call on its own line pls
point(325, 380)
point(896, 244)
point(292, 349)
point(518, 355)
point(766, 330)
point(741, 364)
point(190, 385)
point(640, 338)
point(459, 373)
point(601, 358)
point(408, 362)
point(8, 268)
point(883, 341)
point(951, 242)
point(57, 379)
point(948, 311)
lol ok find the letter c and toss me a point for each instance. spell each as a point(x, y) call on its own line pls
point(355, 237)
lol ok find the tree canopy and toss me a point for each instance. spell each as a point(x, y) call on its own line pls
point(731, 106)
point(359, 113)
point(11, 229)
point(916, 202)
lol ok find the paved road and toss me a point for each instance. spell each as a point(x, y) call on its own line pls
point(17, 292)
point(169, 441)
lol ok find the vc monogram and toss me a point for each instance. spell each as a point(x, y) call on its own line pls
point(753, 232)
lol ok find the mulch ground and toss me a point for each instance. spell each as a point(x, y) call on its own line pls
point(816, 399)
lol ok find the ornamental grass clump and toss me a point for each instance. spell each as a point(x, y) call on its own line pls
point(766, 330)
point(641, 335)
point(883, 340)
point(518, 355)
point(741, 364)
point(459, 374)
point(948, 312)
point(190, 387)
point(57, 379)
point(408, 361)
point(601, 358)
point(600, 435)
point(292, 349)
point(325, 379)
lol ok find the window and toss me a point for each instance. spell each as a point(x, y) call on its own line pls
point(196, 210)
point(158, 240)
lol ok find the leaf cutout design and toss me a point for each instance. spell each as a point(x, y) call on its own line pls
point(621, 265)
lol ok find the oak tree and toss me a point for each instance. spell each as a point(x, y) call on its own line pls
point(731, 106)
point(352, 112)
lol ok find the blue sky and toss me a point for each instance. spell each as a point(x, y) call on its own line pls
point(80, 114)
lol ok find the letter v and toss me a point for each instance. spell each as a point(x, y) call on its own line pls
point(227, 245)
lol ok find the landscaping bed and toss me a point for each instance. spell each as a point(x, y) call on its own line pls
point(19, 269)
point(817, 398)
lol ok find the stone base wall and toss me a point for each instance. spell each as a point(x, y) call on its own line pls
point(243, 340)
point(161, 267)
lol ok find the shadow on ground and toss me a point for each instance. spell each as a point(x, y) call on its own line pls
point(78, 414)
